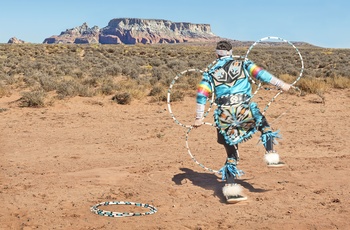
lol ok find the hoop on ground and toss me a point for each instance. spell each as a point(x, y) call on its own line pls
point(100, 212)
point(192, 156)
point(169, 96)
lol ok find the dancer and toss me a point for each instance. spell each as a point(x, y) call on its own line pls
point(236, 118)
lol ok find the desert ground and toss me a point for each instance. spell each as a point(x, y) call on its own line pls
point(58, 161)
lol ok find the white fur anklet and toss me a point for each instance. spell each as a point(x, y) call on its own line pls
point(233, 193)
point(232, 190)
point(272, 158)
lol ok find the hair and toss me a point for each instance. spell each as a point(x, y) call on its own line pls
point(224, 45)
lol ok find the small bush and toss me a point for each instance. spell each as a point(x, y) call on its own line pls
point(107, 89)
point(33, 99)
point(156, 90)
point(158, 93)
point(71, 88)
point(177, 96)
point(122, 98)
point(4, 91)
point(47, 83)
point(313, 85)
point(339, 82)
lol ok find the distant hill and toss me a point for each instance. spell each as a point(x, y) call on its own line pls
point(145, 31)
point(135, 30)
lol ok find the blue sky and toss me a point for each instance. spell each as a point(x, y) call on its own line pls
point(319, 22)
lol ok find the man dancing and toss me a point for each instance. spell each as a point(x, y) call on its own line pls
point(236, 118)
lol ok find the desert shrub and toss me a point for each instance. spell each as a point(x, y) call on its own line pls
point(92, 81)
point(313, 85)
point(173, 64)
point(156, 90)
point(47, 83)
point(194, 80)
point(9, 79)
point(4, 91)
point(177, 96)
point(162, 75)
point(126, 70)
point(158, 93)
point(123, 98)
point(85, 91)
point(288, 78)
point(113, 70)
point(33, 99)
point(29, 81)
point(155, 62)
point(132, 86)
point(72, 88)
point(67, 89)
point(134, 73)
point(108, 87)
point(339, 82)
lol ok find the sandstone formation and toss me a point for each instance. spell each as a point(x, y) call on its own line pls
point(79, 35)
point(15, 40)
point(134, 30)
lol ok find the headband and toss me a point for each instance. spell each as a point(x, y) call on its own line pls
point(224, 52)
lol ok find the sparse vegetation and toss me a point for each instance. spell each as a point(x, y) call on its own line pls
point(138, 71)
point(33, 99)
point(122, 98)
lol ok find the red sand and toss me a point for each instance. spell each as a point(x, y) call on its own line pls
point(57, 162)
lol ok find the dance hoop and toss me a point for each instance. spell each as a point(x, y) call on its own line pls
point(191, 155)
point(293, 83)
point(283, 40)
point(100, 212)
point(169, 98)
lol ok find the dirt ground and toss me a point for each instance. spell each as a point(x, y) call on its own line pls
point(59, 161)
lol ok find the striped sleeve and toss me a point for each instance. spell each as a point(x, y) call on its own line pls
point(258, 72)
point(203, 90)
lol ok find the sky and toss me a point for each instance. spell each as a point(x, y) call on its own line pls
point(322, 23)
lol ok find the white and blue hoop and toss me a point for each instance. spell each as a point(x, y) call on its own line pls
point(95, 209)
point(293, 83)
point(211, 101)
point(192, 156)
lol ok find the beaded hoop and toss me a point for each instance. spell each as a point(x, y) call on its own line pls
point(283, 40)
point(191, 155)
point(293, 83)
point(100, 212)
point(169, 98)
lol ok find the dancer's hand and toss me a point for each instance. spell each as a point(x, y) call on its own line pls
point(198, 122)
point(285, 87)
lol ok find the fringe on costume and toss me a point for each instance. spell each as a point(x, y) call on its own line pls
point(230, 170)
point(270, 136)
point(255, 112)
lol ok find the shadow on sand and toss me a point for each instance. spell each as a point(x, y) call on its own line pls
point(211, 181)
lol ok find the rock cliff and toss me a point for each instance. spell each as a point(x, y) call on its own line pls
point(79, 35)
point(15, 40)
point(134, 30)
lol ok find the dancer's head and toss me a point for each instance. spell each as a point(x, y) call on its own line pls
point(223, 48)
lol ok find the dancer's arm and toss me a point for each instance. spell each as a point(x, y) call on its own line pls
point(263, 75)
